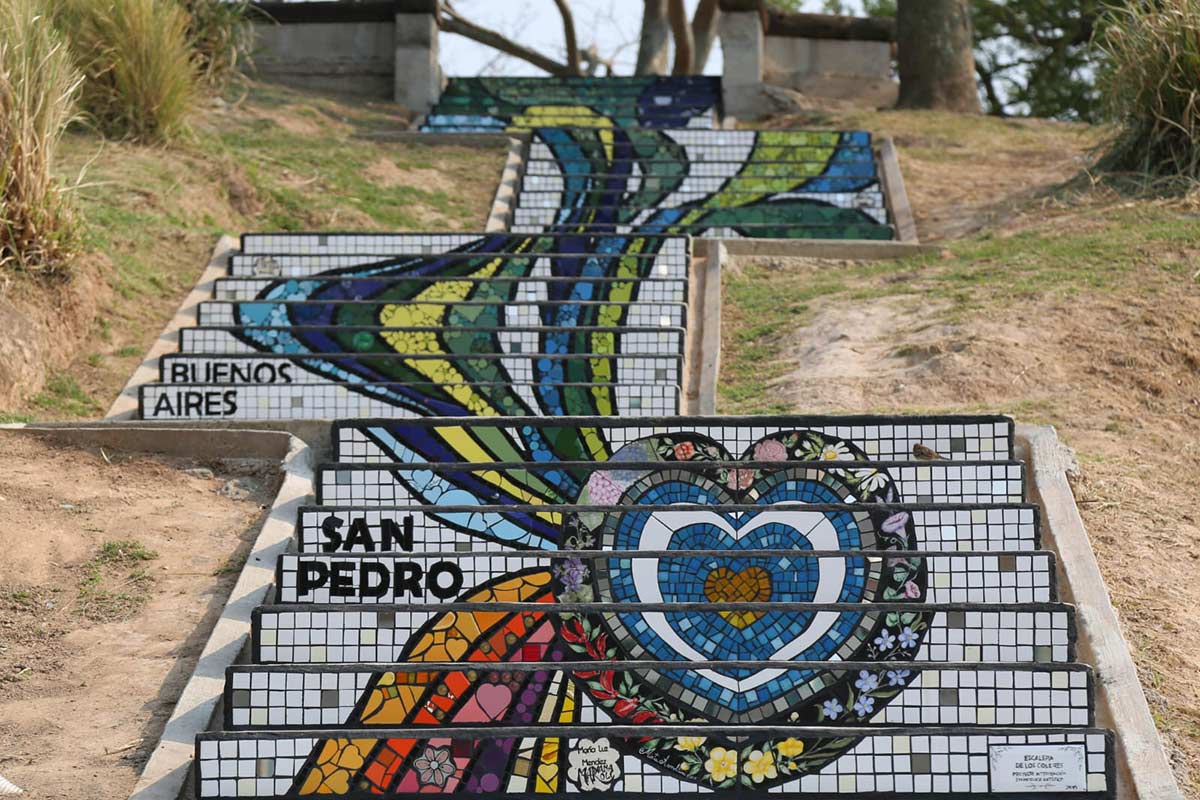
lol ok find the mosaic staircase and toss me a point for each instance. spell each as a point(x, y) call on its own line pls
point(327, 326)
point(645, 154)
point(570, 607)
point(523, 576)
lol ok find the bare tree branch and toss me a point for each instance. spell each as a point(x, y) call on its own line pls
point(681, 29)
point(704, 32)
point(451, 22)
point(568, 20)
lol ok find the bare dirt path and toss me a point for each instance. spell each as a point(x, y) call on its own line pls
point(114, 569)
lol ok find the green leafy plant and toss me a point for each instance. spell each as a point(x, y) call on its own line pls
point(1151, 88)
point(141, 71)
point(38, 89)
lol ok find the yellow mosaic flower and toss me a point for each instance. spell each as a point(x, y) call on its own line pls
point(790, 748)
point(721, 764)
point(760, 765)
point(689, 742)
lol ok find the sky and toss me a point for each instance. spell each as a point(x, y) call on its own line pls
point(612, 25)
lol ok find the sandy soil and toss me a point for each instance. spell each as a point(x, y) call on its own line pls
point(1118, 373)
point(94, 652)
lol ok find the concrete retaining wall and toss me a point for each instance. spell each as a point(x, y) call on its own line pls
point(384, 49)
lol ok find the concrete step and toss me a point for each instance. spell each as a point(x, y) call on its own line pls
point(711, 482)
point(545, 265)
point(275, 368)
point(773, 571)
point(512, 312)
point(629, 341)
point(326, 697)
point(568, 761)
point(1010, 528)
point(984, 437)
point(739, 230)
point(660, 290)
point(396, 244)
point(333, 400)
point(1042, 633)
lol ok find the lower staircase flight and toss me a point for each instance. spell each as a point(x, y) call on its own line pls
point(584, 606)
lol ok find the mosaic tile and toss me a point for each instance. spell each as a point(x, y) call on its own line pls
point(956, 438)
point(579, 339)
point(660, 265)
point(330, 400)
point(796, 184)
point(712, 483)
point(282, 697)
point(334, 634)
point(514, 313)
point(658, 290)
point(562, 760)
point(324, 529)
point(769, 230)
point(550, 385)
point(774, 568)
point(454, 245)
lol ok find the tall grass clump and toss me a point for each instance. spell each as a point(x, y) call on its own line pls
point(223, 35)
point(1150, 82)
point(38, 88)
point(141, 77)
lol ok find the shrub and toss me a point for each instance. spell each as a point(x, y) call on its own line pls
point(1151, 85)
point(140, 68)
point(223, 36)
point(38, 88)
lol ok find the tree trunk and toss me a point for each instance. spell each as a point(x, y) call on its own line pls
point(704, 33)
point(654, 41)
point(937, 64)
point(681, 29)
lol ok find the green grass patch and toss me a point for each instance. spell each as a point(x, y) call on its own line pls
point(1101, 249)
point(64, 396)
point(115, 584)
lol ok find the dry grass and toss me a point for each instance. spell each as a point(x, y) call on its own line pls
point(38, 87)
point(223, 35)
point(142, 76)
point(1152, 54)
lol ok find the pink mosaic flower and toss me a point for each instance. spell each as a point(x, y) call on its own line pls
point(770, 450)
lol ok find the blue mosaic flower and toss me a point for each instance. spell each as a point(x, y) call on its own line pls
point(897, 677)
point(908, 639)
point(867, 681)
point(832, 708)
point(864, 705)
point(885, 640)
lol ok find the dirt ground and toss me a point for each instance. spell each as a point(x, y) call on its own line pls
point(115, 568)
point(1119, 376)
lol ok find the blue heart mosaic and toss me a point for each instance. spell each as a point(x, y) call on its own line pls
point(748, 636)
point(758, 515)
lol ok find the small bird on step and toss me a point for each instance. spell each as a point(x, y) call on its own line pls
point(923, 453)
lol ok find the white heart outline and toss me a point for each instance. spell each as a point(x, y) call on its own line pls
point(831, 571)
